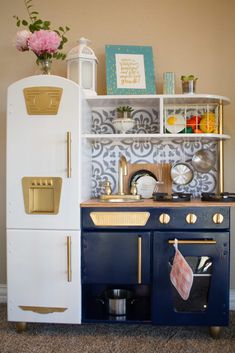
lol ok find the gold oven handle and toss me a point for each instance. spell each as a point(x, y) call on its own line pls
point(139, 259)
point(193, 241)
point(69, 154)
point(69, 269)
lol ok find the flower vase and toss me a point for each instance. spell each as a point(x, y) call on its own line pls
point(45, 66)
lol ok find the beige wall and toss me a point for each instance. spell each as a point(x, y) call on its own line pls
point(187, 36)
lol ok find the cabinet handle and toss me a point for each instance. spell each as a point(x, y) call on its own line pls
point(69, 154)
point(139, 259)
point(69, 270)
point(193, 241)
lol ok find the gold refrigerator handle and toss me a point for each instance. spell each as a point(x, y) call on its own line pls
point(139, 259)
point(193, 241)
point(69, 270)
point(69, 154)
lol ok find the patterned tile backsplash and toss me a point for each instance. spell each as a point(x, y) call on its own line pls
point(105, 154)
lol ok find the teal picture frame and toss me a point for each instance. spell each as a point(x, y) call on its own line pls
point(129, 70)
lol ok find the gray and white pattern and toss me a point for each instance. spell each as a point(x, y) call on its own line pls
point(146, 121)
point(105, 154)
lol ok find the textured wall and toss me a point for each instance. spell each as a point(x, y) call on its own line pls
point(187, 36)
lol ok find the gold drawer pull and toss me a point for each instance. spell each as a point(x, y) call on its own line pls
point(164, 218)
point(42, 309)
point(139, 259)
point(218, 218)
point(69, 168)
point(193, 241)
point(69, 270)
point(191, 218)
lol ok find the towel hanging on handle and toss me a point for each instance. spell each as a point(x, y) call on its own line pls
point(181, 274)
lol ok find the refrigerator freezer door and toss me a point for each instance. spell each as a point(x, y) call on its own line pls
point(43, 269)
point(43, 146)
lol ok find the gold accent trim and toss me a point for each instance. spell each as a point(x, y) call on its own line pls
point(42, 309)
point(139, 260)
point(221, 150)
point(41, 194)
point(164, 218)
point(42, 100)
point(191, 218)
point(69, 169)
point(69, 270)
point(193, 241)
point(218, 218)
point(119, 218)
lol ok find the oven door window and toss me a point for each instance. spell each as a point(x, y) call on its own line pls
point(202, 267)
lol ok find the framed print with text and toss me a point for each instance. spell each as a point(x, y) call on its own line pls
point(129, 69)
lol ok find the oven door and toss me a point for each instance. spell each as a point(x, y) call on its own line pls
point(207, 253)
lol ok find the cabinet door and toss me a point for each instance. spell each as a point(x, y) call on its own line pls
point(37, 146)
point(44, 276)
point(207, 253)
point(116, 257)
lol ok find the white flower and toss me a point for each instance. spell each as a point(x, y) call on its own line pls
point(21, 40)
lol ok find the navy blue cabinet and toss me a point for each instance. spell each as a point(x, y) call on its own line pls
point(139, 259)
point(116, 257)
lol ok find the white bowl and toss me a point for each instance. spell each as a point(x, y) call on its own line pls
point(123, 125)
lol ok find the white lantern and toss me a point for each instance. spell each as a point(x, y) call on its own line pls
point(82, 66)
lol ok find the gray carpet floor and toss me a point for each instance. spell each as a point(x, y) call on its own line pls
point(112, 338)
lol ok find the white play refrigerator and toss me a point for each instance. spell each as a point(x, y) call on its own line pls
point(43, 197)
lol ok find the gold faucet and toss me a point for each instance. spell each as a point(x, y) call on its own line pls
point(122, 171)
point(120, 196)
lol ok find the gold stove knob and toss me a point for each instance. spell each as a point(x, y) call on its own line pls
point(218, 218)
point(164, 218)
point(191, 218)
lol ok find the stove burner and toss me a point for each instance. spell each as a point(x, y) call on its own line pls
point(222, 197)
point(175, 197)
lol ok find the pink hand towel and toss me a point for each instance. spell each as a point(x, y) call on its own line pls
point(181, 274)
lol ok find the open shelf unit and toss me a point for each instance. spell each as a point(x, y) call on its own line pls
point(149, 141)
point(159, 106)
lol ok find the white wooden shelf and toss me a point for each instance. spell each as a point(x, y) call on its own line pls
point(154, 100)
point(150, 137)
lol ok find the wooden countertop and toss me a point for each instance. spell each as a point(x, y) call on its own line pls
point(155, 204)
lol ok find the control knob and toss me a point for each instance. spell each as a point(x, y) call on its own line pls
point(191, 218)
point(164, 218)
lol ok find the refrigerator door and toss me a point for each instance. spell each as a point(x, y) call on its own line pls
point(43, 153)
point(43, 268)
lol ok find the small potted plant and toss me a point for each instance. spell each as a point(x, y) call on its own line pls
point(188, 84)
point(124, 121)
point(124, 112)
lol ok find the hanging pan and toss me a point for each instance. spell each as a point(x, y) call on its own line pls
point(182, 173)
point(203, 161)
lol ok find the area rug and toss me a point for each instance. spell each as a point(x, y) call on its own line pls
point(112, 338)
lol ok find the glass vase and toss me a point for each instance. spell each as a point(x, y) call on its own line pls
point(45, 66)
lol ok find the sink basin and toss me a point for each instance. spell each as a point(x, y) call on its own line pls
point(119, 198)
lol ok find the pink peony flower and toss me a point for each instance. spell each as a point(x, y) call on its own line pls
point(44, 41)
point(21, 40)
